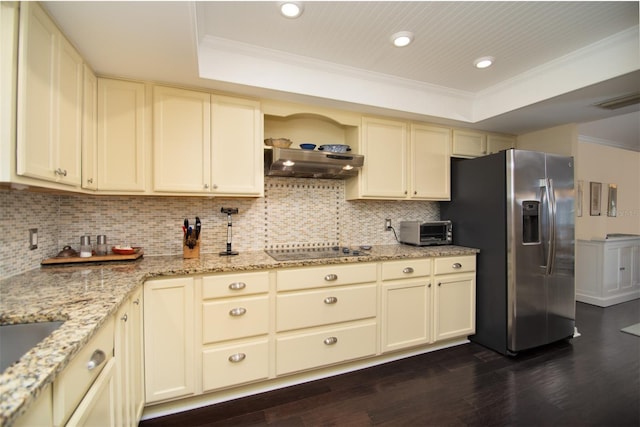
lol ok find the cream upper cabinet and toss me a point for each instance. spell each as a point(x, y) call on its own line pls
point(429, 163)
point(90, 131)
point(236, 147)
point(121, 135)
point(467, 143)
point(181, 140)
point(169, 339)
point(50, 95)
point(206, 143)
point(384, 174)
point(497, 143)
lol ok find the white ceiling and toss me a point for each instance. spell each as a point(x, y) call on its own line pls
point(553, 59)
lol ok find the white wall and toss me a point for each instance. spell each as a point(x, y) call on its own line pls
point(608, 165)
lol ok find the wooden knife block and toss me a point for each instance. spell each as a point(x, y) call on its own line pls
point(188, 253)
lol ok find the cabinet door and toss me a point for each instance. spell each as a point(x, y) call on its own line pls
point(468, 144)
point(40, 413)
point(236, 147)
point(98, 406)
point(454, 306)
point(136, 357)
point(384, 145)
point(430, 162)
point(497, 143)
point(169, 339)
point(406, 314)
point(90, 131)
point(49, 95)
point(181, 140)
point(121, 116)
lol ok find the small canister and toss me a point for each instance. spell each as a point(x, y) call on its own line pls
point(85, 246)
point(101, 245)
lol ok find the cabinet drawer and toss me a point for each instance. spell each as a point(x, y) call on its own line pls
point(229, 285)
point(323, 306)
point(330, 275)
point(332, 345)
point(235, 364)
point(406, 269)
point(235, 318)
point(458, 264)
point(72, 384)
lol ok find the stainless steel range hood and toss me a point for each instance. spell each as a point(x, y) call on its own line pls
point(311, 164)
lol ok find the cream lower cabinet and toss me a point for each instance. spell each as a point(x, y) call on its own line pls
point(406, 303)
point(454, 297)
point(128, 355)
point(40, 413)
point(49, 110)
point(235, 327)
point(325, 315)
point(98, 408)
point(169, 339)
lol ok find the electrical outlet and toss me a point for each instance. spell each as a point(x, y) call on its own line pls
point(387, 224)
point(33, 238)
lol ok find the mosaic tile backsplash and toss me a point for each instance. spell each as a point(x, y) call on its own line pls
point(295, 212)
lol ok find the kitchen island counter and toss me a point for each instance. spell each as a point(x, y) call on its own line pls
point(84, 296)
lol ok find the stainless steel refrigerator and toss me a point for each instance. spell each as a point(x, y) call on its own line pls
point(517, 207)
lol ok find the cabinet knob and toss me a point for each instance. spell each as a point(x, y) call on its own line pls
point(238, 311)
point(206, 186)
point(621, 268)
point(457, 265)
point(137, 301)
point(238, 357)
point(331, 341)
point(61, 172)
point(331, 277)
point(236, 286)
point(96, 360)
point(407, 270)
point(124, 318)
point(429, 285)
point(415, 193)
point(214, 186)
point(439, 283)
point(90, 181)
point(330, 300)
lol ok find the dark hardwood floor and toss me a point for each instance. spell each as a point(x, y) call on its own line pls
point(592, 380)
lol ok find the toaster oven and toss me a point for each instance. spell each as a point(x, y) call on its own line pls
point(426, 233)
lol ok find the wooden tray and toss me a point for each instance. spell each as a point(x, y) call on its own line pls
point(95, 258)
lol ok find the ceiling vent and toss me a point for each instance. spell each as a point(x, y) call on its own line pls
point(620, 102)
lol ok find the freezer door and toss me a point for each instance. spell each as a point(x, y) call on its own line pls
point(527, 250)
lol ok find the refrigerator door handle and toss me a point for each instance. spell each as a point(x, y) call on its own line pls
point(551, 197)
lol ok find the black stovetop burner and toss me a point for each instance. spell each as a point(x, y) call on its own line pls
point(297, 254)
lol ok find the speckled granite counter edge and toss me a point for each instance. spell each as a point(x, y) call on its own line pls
point(84, 296)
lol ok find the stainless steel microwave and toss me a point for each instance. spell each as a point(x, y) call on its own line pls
point(426, 233)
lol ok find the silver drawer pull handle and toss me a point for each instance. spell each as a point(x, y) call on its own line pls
point(61, 172)
point(239, 311)
point(331, 277)
point(238, 357)
point(457, 265)
point(96, 360)
point(331, 341)
point(330, 300)
point(407, 270)
point(236, 286)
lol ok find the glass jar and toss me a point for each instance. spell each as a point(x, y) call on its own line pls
point(85, 247)
point(101, 245)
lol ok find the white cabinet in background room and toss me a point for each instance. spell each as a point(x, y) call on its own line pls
point(206, 143)
point(607, 271)
point(455, 297)
point(49, 113)
point(169, 339)
point(406, 303)
point(121, 135)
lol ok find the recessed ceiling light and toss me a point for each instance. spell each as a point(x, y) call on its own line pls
point(291, 9)
point(484, 62)
point(402, 38)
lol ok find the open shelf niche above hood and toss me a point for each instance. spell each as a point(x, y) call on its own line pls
point(311, 164)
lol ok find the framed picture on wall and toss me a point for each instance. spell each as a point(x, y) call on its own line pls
point(579, 195)
point(612, 206)
point(595, 196)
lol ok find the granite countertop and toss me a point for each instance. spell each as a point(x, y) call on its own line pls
point(85, 295)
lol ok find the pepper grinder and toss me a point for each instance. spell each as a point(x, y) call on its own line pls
point(101, 245)
point(85, 246)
